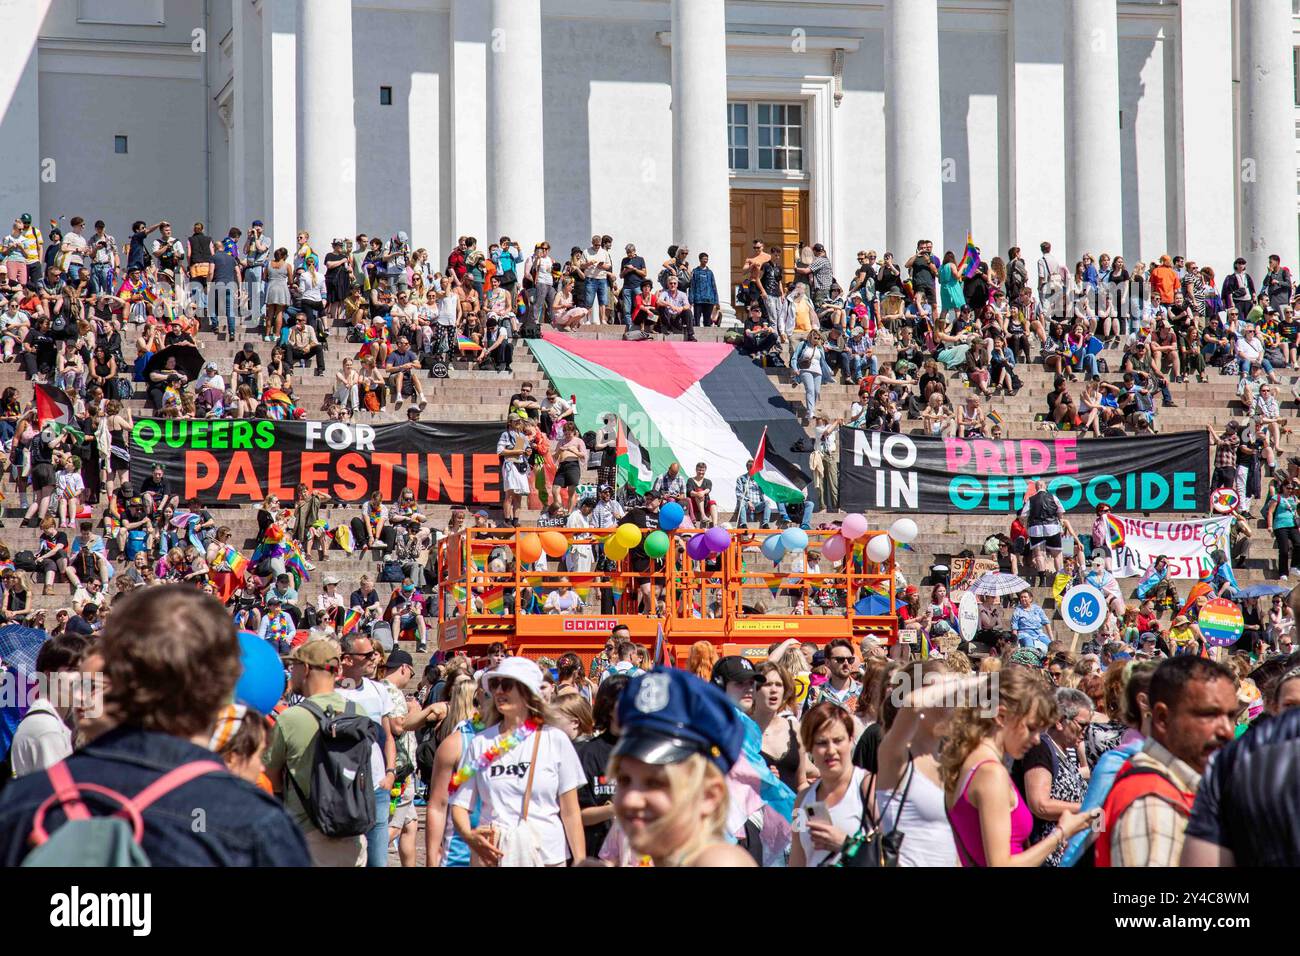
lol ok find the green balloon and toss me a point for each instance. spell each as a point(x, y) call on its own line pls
point(656, 544)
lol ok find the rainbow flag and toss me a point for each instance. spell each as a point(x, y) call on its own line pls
point(235, 560)
point(995, 418)
point(351, 621)
point(970, 259)
point(466, 344)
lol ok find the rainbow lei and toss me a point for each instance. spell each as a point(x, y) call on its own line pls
point(500, 747)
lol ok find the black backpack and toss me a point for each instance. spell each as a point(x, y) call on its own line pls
point(25, 561)
point(342, 802)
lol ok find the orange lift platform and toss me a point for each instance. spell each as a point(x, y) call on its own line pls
point(737, 600)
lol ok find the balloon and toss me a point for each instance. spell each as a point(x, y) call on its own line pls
point(530, 548)
point(554, 544)
point(656, 544)
point(903, 530)
point(671, 516)
point(853, 527)
point(717, 539)
point(697, 548)
point(794, 539)
point(262, 682)
point(878, 548)
point(613, 550)
point(773, 549)
point(834, 548)
point(628, 535)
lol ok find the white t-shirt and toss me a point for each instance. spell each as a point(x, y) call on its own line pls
point(41, 740)
point(501, 784)
point(372, 698)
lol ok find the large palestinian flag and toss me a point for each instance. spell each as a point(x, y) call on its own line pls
point(685, 402)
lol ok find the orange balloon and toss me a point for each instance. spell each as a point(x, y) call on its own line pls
point(554, 544)
point(530, 548)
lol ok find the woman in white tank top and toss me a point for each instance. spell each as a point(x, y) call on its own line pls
point(830, 810)
point(909, 796)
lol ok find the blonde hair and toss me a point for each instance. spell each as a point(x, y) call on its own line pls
point(687, 781)
point(1021, 694)
point(959, 663)
point(575, 706)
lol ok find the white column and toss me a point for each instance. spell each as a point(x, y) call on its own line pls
point(701, 183)
point(469, 32)
point(328, 192)
point(1037, 91)
point(1268, 174)
point(1206, 194)
point(516, 201)
point(913, 154)
point(280, 122)
point(1093, 213)
point(247, 190)
point(20, 127)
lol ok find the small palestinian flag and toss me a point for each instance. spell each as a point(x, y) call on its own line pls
point(633, 460)
point(53, 405)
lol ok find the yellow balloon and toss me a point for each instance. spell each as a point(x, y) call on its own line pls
point(628, 535)
point(614, 550)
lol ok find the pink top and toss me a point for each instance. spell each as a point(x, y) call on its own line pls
point(965, 820)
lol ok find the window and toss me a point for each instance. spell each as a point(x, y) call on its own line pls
point(738, 135)
point(385, 96)
point(119, 144)
point(765, 137)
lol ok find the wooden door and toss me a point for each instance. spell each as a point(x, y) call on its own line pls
point(778, 217)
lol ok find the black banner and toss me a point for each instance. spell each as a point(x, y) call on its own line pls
point(223, 461)
point(923, 475)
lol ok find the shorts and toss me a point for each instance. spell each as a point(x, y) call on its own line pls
point(1051, 542)
point(569, 474)
point(43, 476)
point(403, 815)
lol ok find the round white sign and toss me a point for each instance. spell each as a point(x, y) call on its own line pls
point(968, 615)
point(1083, 608)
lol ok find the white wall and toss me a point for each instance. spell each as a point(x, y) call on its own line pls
point(860, 140)
point(1144, 158)
point(972, 83)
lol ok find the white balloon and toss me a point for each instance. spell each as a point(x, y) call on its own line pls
point(903, 530)
point(878, 548)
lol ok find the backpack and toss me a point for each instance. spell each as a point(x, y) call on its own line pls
point(25, 561)
point(88, 840)
point(342, 802)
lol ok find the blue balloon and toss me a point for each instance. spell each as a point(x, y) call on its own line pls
point(261, 685)
point(773, 549)
point(794, 539)
point(671, 516)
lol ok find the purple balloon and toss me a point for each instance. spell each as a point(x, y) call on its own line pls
point(697, 548)
point(717, 539)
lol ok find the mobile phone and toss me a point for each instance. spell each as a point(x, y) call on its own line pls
point(817, 811)
point(1098, 820)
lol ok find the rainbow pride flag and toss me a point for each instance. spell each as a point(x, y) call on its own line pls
point(466, 344)
point(970, 259)
point(351, 621)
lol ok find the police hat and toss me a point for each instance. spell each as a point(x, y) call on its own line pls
point(667, 715)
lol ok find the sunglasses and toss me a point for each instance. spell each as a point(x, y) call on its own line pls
point(840, 660)
point(503, 684)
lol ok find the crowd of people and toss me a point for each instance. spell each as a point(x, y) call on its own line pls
point(641, 764)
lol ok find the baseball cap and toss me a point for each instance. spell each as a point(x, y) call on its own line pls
point(258, 222)
point(517, 668)
point(731, 669)
point(330, 579)
point(397, 658)
point(480, 514)
point(315, 653)
point(26, 218)
point(668, 715)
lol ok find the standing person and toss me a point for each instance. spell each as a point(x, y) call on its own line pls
point(809, 361)
point(43, 736)
point(516, 469)
point(989, 816)
point(257, 253)
point(360, 661)
point(834, 806)
point(1053, 773)
point(706, 310)
point(678, 739)
point(1280, 517)
point(841, 688)
point(773, 711)
point(277, 295)
point(1193, 704)
point(170, 661)
point(1044, 518)
point(403, 822)
point(596, 796)
point(530, 814)
point(828, 448)
point(313, 673)
point(541, 282)
point(632, 271)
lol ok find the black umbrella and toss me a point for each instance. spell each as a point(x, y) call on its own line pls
point(189, 361)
